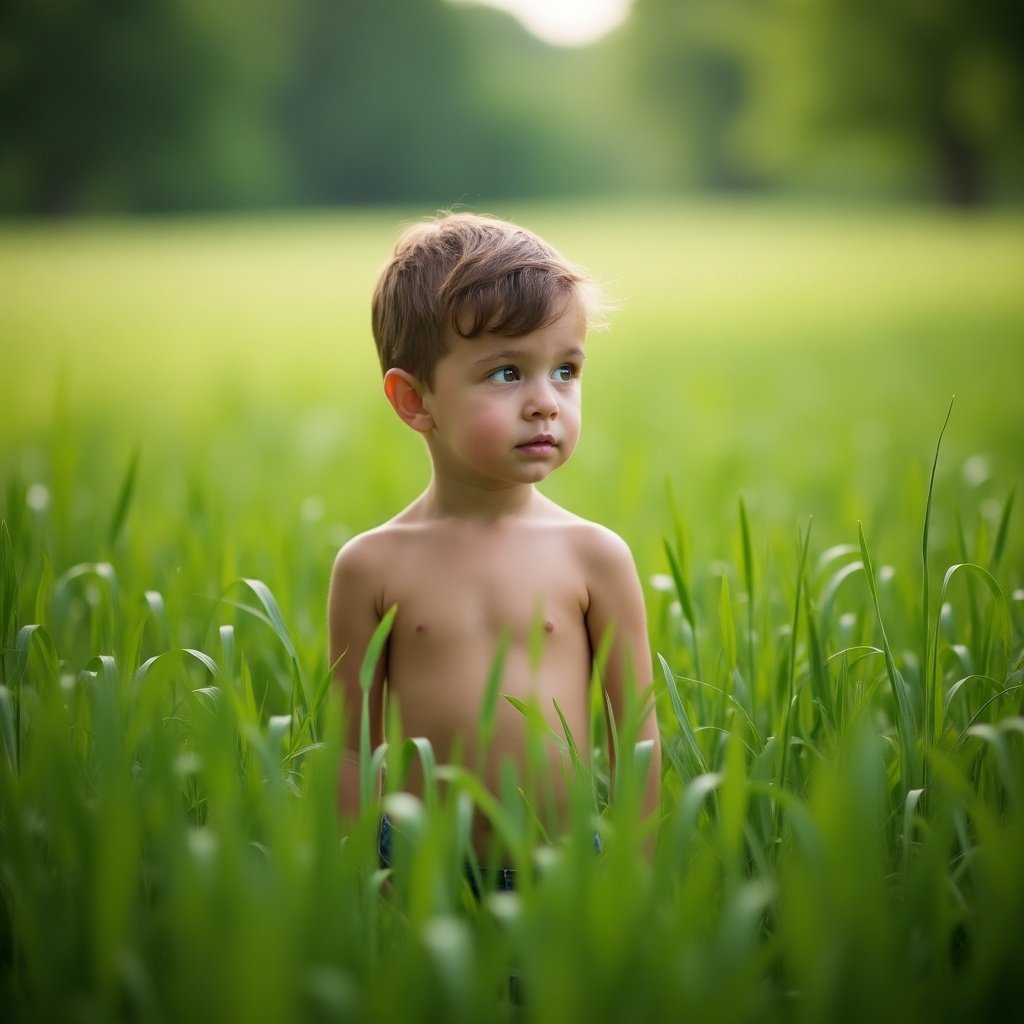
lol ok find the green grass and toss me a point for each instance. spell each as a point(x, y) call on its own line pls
point(191, 424)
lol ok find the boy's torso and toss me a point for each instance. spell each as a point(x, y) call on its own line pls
point(462, 588)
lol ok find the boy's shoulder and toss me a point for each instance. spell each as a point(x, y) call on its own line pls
point(368, 547)
point(591, 532)
point(605, 547)
point(366, 553)
point(597, 542)
point(363, 564)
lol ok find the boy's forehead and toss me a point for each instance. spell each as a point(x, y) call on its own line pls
point(484, 350)
point(564, 339)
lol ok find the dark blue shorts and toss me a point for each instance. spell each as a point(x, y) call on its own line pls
point(479, 879)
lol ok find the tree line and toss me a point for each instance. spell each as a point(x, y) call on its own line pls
point(166, 105)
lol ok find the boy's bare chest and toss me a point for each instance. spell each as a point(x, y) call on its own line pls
point(492, 586)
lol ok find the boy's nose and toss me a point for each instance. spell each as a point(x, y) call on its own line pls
point(541, 402)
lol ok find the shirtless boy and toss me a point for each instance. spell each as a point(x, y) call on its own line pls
point(481, 329)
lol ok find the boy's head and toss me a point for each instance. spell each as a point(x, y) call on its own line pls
point(468, 274)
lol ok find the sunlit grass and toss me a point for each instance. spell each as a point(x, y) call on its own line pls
point(191, 426)
point(783, 353)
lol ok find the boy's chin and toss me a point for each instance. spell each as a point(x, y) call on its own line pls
point(536, 474)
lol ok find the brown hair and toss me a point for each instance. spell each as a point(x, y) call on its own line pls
point(471, 274)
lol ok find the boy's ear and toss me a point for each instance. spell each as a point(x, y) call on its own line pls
point(405, 393)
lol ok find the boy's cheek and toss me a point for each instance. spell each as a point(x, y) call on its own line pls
point(487, 436)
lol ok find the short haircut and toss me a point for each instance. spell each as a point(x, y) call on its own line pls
point(470, 274)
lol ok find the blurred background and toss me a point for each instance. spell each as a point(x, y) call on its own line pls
point(810, 214)
point(808, 211)
point(173, 105)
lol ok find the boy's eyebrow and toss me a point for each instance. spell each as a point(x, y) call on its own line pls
point(572, 352)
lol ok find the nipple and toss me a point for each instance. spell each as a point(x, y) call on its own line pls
point(549, 627)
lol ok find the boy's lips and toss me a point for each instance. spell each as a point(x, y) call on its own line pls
point(539, 445)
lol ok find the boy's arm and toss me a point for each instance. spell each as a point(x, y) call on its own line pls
point(353, 613)
point(617, 609)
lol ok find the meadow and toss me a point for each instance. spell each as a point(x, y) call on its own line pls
point(191, 424)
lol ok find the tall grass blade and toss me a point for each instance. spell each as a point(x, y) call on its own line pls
point(962, 685)
point(532, 713)
point(44, 591)
point(1005, 691)
point(1001, 616)
point(367, 671)
point(489, 705)
point(124, 500)
point(831, 589)
point(788, 710)
point(929, 670)
point(104, 621)
point(227, 649)
point(320, 695)
point(994, 737)
point(727, 623)
point(685, 604)
point(682, 719)
point(8, 596)
point(9, 729)
point(485, 801)
point(816, 661)
point(420, 747)
point(748, 580)
point(270, 614)
point(905, 725)
point(1002, 531)
point(374, 648)
point(168, 657)
point(570, 741)
point(35, 637)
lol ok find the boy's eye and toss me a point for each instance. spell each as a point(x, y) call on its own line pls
point(506, 375)
point(564, 373)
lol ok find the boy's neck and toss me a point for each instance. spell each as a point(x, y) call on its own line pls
point(447, 498)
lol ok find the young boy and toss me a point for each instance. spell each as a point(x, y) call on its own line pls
point(480, 327)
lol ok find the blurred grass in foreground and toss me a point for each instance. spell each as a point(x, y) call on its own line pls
point(192, 424)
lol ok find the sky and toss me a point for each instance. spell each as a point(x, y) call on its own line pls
point(565, 22)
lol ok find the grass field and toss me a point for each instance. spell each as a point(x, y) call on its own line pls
point(190, 425)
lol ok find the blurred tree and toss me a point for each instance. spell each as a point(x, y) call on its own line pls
point(940, 79)
point(373, 101)
point(692, 58)
point(423, 100)
point(926, 95)
point(122, 104)
point(178, 104)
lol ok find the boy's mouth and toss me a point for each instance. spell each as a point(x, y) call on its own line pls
point(539, 445)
